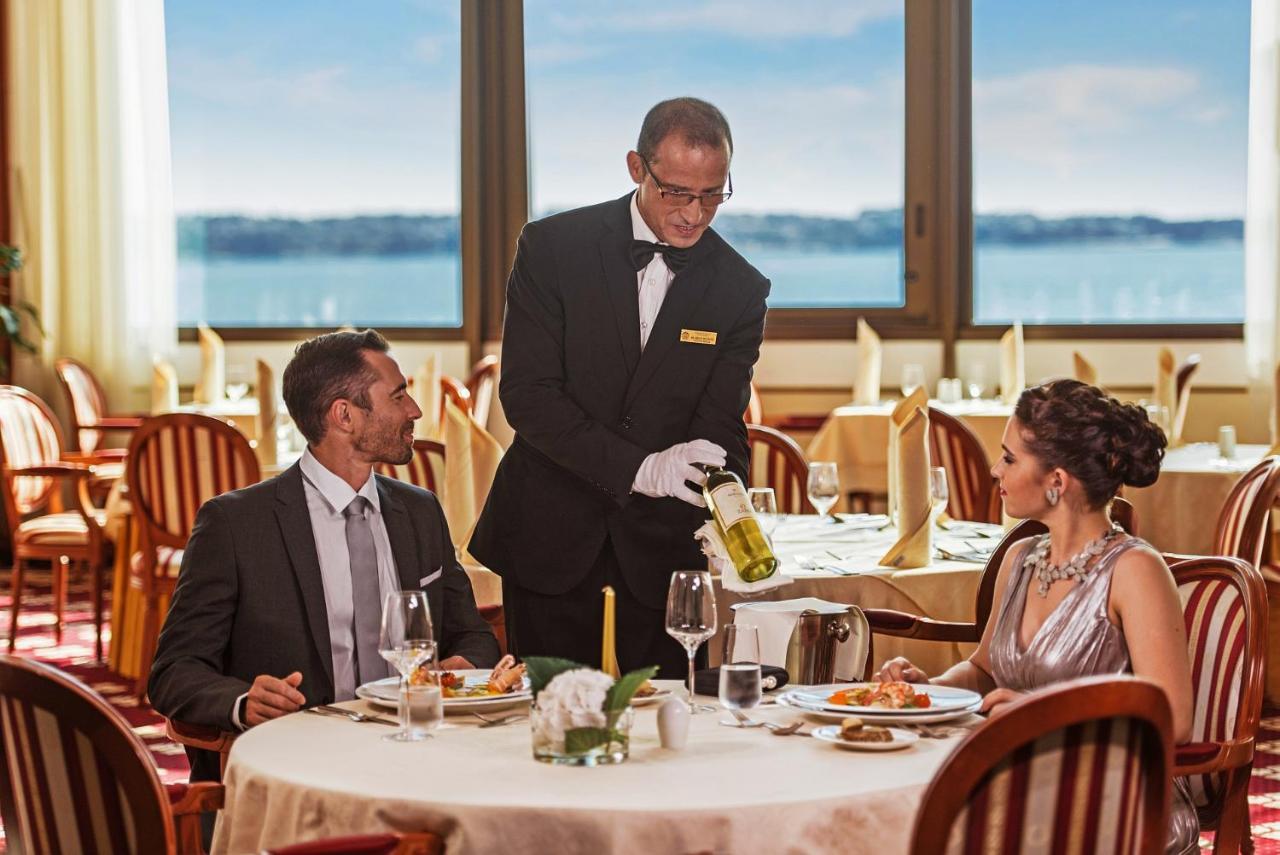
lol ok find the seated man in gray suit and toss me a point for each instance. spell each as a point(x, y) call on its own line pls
point(279, 601)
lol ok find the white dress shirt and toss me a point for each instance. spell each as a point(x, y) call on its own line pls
point(327, 497)
point(652, 281)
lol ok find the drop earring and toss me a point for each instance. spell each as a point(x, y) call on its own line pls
point(1051, 496)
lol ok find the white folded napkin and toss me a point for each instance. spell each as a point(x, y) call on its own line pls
point(1084, 370)
point(266, 419)
point(211, 387)
point(1013, 369)
point(775, 622)
point(426, 391)
point(866, 384)
point(1165, 392)
point(720, 564)
point(164, 387)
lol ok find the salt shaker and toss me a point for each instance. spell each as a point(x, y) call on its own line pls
point(673, 723)
point(1227, 442)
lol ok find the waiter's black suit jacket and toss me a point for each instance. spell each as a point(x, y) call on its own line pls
point(250, 600)
point(588, 406)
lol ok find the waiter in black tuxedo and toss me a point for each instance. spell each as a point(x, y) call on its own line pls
point(630, 336)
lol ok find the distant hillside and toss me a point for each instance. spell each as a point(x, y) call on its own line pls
point(237, 236)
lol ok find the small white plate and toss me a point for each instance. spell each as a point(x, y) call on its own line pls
point(386, 693)
point(666, 689)
point(831, 733)
point(942, 699)
point(882, 717)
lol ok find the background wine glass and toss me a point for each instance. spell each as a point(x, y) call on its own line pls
point(740, 667)
point(912, 378)
point(765, 505)
point(823, 487)
point(407, 641)
point(691, 615)
point(939, 492)
point(977, 381)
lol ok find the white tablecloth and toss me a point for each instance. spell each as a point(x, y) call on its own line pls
point(305, 777)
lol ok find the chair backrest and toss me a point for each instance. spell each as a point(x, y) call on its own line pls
point(754, 414)
point(1087, 761)
point(425, 469)
point(1224, 605)
point(1242, 524)
point(85, 399)
point(29, 436)
point(776, 461)
point(76, 778)
point(480, 385)
point(454, 390)
point(177, 462)
point(1182, 394)
point(954, 447)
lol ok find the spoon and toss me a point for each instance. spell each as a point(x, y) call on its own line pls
point(784, 729)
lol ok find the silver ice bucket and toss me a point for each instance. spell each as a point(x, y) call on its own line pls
point(817, 639)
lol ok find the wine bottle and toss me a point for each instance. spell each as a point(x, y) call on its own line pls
point(748, 549)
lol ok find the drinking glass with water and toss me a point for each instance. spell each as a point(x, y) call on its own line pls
point(740, 667)
point(407, 642)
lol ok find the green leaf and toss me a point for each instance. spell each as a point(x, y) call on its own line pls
point(542, 669)
point(32, 312)
point(580, 740)
point(10, 259)
point(621, 692)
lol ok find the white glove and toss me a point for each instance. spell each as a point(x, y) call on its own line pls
point(664, 473)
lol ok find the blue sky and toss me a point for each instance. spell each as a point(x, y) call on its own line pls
point(305, 108)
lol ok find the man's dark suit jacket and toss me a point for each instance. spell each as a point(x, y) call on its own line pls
point(250, 600)
point(588, 406)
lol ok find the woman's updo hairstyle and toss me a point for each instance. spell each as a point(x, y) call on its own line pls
point(1101, 442)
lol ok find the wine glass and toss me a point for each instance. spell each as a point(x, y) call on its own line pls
point(237, 383)
point(912, 378)
point(765, 505)
point(977, 380)
point(939, 493)
point(407, 641)
point(740, 667)
point(691, 615)
point(823, 487)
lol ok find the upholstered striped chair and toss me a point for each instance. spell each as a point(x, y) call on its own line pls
point(954, 447)
point(777, 462)
point(1084, 765)
point(481, 386)
point(425, 469)
point(1242, 524)
point(88, 405)
point(1225, 608)
point(177, 462)
point(76, 778)
point(31, 475)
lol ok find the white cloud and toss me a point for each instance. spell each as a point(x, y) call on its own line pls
point(430, 49)
point(752, 19)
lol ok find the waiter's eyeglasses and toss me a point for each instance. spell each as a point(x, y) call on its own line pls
point(680, 199)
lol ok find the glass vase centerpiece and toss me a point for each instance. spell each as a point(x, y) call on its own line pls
point(580, 716)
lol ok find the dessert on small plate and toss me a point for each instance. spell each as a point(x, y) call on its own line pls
point(854, 734)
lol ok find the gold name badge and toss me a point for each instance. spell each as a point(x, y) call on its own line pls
point(698, 336)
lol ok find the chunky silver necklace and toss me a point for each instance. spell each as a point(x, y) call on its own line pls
point(1076, 568)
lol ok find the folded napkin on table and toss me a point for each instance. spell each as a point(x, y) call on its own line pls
point(775, 622)
point(164, 387)
point(1165, 393)
point(1013, 369)
point(866, 383)
point(1085, 372)
point(266, 418)
point(212, 385)
point(913, 501)
point(426, 391)
point(917, 400)
point(721, 565)
point(471, 460)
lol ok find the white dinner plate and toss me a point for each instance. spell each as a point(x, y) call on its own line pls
point(831, 733)
point(386, 693)
point(882, 717)
point(942, 699)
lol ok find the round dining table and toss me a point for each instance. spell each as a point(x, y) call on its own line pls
point(306, 777)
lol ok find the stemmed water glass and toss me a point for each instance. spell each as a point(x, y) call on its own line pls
point(912, 378)
point(823, 488)
point(407, 641)
point(691, 615)
point(740, 667)
point(765, 505)
point(939, 493)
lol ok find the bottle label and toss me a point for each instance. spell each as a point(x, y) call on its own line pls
point(731, 501)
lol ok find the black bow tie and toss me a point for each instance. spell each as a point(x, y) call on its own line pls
point(642, 253)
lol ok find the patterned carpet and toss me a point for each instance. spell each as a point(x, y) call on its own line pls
point(75, 656)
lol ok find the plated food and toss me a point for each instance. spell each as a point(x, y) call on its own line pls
point(506, 678)
point(854, 729)
point(890, 696)
point(886, 738)
point(883, 703)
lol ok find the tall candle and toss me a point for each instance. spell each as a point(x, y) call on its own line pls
point(608, 647)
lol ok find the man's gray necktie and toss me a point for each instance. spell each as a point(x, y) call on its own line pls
point(366, 604)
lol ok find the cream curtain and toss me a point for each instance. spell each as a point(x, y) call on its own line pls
point(93, 202)
point(1262, 214)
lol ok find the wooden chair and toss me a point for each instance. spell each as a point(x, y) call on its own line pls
point(425, 469)
point(776, 461)
point(456, 391)
point(32, 470)
point(88, 405)
point(1225, 608)
point(76, 777)
point(1182, 396)
point(954, 447)
point(754, 414)
point(177, 462)
point(481, 385)
point(1242, 524)
point(393, 843)
point(1089, 760)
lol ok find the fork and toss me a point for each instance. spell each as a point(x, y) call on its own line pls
point(743, 721)
point(784, 729)
point(500, 720)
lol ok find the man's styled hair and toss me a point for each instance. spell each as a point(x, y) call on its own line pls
point(698, 122)
point(324, 369)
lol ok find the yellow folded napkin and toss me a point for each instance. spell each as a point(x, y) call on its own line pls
point(1085, 372)
point(866, 383)
point(912, 548)
point(426, 391)
point(1013, 369)
point(608, 642)
point(212, 385)
point(164, 387)
point(471, 460)
point(919, 399)
point(266, 419)
point(1165, 393)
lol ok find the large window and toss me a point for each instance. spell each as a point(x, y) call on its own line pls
point(813, 93)
point(315, 162)
point(1109, 148)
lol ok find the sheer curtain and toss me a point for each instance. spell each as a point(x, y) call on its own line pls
point(93, 205)
point(1262, 215)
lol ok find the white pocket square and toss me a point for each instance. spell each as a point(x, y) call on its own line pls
point(427, 580)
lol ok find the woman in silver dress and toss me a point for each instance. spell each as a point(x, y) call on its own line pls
point(1085, 599)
